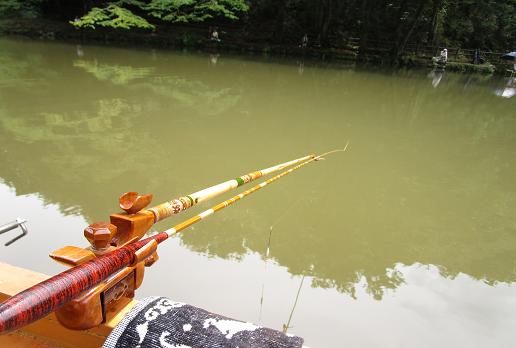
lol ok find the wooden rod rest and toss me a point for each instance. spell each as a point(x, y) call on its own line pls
point(103, 302)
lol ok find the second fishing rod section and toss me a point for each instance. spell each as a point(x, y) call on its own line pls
point(121, 238)
point(137, 219)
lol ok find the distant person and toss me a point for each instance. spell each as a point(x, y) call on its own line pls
point(444, 55)
point(215, 35)
point(441, 59)
point(477, 58)
point(304, 41)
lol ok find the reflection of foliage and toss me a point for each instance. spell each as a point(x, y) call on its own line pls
point(110, 119)
point(189, 93)
point(12, 70)
point(194, 94)
point(428, 179)
point(229, 242)
point(80, 146)
point(117, 74)
point(375, 285)
point(80, 136)
point(445, 196)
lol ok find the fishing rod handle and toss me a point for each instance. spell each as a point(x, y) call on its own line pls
point(41, 299)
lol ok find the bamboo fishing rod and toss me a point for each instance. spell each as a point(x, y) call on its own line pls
point(41, 299)
point(177, 205)
point(127, 228)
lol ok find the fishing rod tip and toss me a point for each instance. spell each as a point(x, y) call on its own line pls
point(319, 157)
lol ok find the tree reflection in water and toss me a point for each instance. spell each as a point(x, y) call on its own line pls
point(427, 180)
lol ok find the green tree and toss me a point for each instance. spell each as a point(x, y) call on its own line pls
point(386, 29)
point(112, 16)
point(487, 24)
point(195, 10)
point(128, 14)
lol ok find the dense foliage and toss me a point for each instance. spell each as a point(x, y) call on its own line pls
point(119, 14)
point(27, 8)
point(112, 16)
point(392, 26)
point(395, 24)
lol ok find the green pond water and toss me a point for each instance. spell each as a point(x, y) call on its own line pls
point(406, 240)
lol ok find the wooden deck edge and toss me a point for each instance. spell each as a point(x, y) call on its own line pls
point(48, 330)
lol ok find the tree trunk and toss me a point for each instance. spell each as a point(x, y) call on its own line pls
point(327, 19)
point(398, 32)
point(364, 28)
point(432, 33)
point(279, 27)
point(400, 46)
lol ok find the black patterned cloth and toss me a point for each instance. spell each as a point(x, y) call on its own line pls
point(159, 322)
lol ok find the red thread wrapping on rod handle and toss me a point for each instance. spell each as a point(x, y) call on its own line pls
point(43, 298)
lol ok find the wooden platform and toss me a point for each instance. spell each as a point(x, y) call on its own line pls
point(47, 332)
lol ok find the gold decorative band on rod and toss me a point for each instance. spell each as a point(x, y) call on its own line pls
point(175, 206)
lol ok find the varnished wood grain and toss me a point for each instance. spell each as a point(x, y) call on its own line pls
point(48, 329)
point(72, 256)
point(133, 202)
point(49, 295)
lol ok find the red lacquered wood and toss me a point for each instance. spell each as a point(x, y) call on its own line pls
point(41, 299)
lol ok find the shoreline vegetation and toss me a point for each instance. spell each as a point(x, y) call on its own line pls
point(404, 33)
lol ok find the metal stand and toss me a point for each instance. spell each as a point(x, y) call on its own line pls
point(11, 226)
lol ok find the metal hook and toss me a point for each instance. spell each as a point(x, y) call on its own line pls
point(11, 226)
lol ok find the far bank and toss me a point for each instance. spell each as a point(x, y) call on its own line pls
point(236, 39)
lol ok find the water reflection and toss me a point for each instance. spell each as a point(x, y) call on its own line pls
point(116, 74)
point(80, 51)
point(428, 179)
point(436, 75)
point(465, 311)
point(508, 90)
point(288, 324)
point(214, 58)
